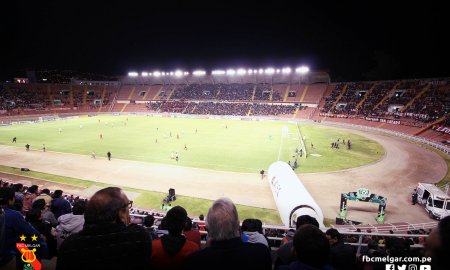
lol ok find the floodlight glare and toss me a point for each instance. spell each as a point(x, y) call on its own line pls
point(269, 71)
point(231, 72)
point(144, 74)
point(302, 69)
point(178, 73)
point(286, 70)
point(241, 72)
point(133, 74)
point(278, 70)
point(156, 73)
point(261, 71)
point(249, 71)
point(218, 72)
point(199, 73)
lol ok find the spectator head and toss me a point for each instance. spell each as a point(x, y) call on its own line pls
point(45, 191)
point(188, 224)
point(108, 205)
point(333, 236)
point(201, 217)
point(176, 219)
point(33, 189)
point(306, 219)
point(39, 204)
point(163, 224)
point(79, 207)
point(437, 245)
point(58, 193)
point(222, 221)
point(34, 215)
point(6, 196)
point(311, 246)
point(149, 220)
point(249, 225)
point(18, 187)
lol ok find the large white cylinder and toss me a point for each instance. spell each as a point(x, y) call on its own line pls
point(291, 196)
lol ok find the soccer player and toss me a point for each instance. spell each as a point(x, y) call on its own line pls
point(43, 147)
point(101, 136)
point(14, 140)
point(262, 174)
point(27, 147)
point(93, 154)
point(185, 147)
point(109, 155)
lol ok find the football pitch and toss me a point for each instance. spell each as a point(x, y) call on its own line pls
point(226, 145)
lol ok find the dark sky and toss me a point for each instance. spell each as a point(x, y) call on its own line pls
point(352, 40)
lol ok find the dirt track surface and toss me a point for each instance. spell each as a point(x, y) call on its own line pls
point(394, 177)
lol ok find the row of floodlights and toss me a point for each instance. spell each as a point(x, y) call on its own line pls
point(229, 72)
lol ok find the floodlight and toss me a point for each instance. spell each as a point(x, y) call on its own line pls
point(241, 72)
point(133, 74)
point(156, 73)
point(231, 72)
point(178, 73)
point(144, 74)
point(261, 71)
point(255, 71)
point(302, 69)
point(269, 71)
point(199, 73)
point(150, 74)
point(286, 70)
point(278, 70)
point(218, 72)
point(185, 73)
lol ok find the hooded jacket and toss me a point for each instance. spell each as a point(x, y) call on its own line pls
point(256, 238)
point(68, 224)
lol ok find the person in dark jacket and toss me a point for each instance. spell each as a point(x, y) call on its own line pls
point(342, 256)
point(35, 218)
point(170, 250)
point(14, 227)
point(284, 253)
point(107, 241)
point(225, 249)
point(60, 206)
point(311, 248)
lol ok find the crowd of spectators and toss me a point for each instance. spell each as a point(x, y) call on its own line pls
point(195, 92)
point(430, 106)
point(267, 109)
point(221, 108)
point(75, 230)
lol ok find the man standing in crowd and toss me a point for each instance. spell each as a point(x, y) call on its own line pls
point(106, 228)
point(414, 197)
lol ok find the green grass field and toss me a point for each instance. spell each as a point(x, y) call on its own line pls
point(229, 145)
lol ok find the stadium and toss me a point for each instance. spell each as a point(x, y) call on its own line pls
point(233, 124)
point(270, 139)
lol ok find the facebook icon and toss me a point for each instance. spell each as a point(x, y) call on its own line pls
point(390, 267)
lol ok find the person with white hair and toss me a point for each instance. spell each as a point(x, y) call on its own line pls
point(225, 248)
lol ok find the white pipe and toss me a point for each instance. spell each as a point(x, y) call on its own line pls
point(291, 197)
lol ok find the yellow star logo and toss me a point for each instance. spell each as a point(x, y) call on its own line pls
point(22, 237)
point(34, 238)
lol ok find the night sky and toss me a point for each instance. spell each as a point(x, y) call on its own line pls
point(351, 40)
